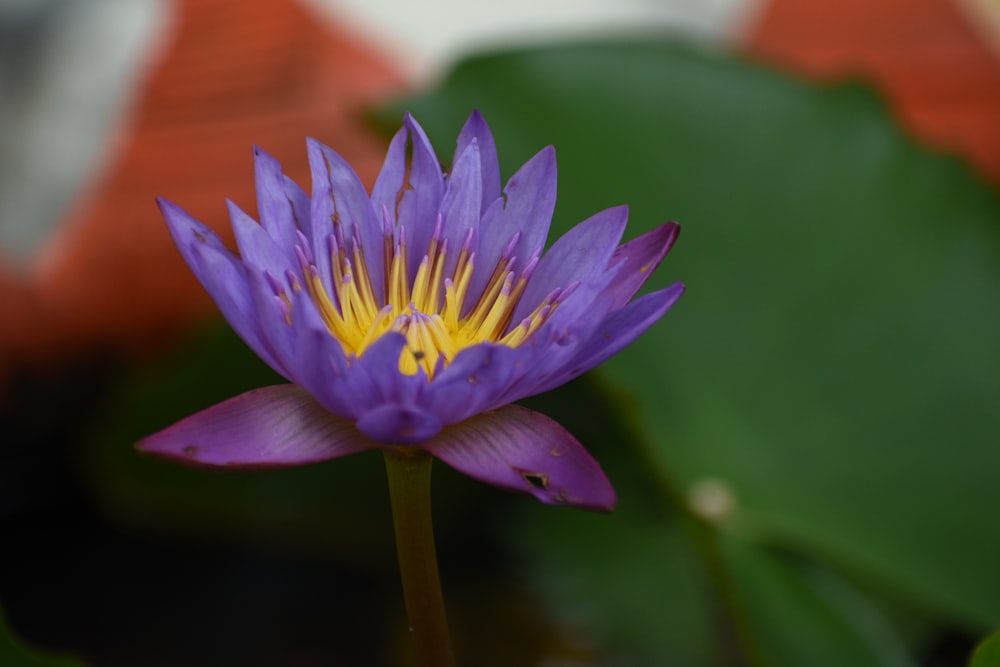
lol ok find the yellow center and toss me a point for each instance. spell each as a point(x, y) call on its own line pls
point(431, 312)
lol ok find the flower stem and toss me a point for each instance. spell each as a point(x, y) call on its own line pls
point(410, 491)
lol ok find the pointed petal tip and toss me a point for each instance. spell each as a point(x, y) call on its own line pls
point(169, 209)
point(271, 427)
point(522, 450)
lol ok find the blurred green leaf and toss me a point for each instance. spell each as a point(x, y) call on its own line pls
point(796, 613)
point(835, 360)
point(988, 652)
point(627, 582)
point(14, 654)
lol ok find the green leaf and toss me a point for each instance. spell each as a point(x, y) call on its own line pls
point(628, 583)
point(835, 361)
point(796, 613)
point(14, 654)
point(988, 652)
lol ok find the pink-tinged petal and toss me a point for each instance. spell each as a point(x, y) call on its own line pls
point(617, 330)
point(273, 204)
point(527, 206)
point(476, 129)
point(269, 427)
point(518, 449)
point(637, 259)
point(471, 383)
point(581, 255)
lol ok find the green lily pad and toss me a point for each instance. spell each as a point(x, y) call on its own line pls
point(988, 652)
point(797, 613)
point(836, 359)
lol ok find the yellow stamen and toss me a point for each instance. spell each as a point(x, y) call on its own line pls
point(428, 311)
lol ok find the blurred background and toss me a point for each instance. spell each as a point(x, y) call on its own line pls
point(806, 449)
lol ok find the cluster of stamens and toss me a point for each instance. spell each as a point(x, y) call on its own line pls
point(431, 310)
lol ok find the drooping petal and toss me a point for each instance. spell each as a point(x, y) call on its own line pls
point(522, 450)
point(273, 426)
point(476, 129)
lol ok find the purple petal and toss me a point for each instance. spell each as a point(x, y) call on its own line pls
point(339, 194)
point(461, 202)
point(388, 402)
point(529, 200)
point(221, 274)
point(257, 248)
point(276, 336)
point(516, 448)
point(390, 179)
point(301, 207)
point(471, 383)
point(411, 193)
point(273, 204)
point(376, 376)
point(638, 258)
point(540, 361)
point(186, 232)
point(269, 427)
point(582, 254)
point(476, 129)
point(322, 367)
point(616, 331)
point(395, 424)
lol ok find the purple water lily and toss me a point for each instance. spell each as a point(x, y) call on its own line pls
point(416, 316)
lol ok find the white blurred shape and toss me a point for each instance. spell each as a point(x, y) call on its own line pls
point(66, 78)
point(423, 38)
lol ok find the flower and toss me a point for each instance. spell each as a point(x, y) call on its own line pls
point(416, 316)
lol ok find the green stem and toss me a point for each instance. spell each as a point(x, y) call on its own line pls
point(410, 490)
